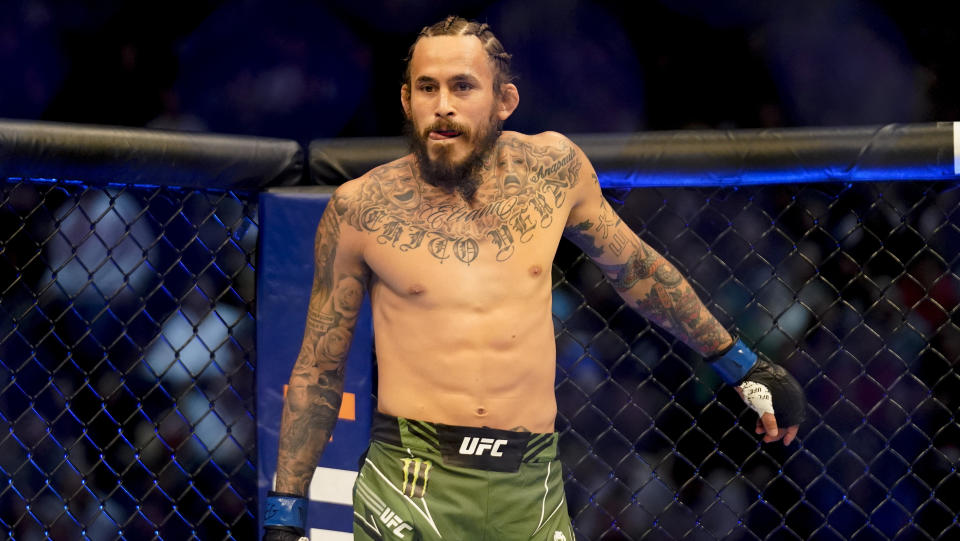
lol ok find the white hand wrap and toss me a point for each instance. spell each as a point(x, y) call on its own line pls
point(757, 396)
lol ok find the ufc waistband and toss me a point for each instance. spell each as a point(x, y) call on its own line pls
point(488, 449)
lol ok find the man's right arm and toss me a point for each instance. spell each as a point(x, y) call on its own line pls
point(312, 400)
point(649, 283)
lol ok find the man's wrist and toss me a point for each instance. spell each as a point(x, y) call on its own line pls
point(735, 363)
point(285, 511)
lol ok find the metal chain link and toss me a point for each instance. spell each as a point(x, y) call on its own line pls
point(852, 287)
point(126, 362)
point(127, 366)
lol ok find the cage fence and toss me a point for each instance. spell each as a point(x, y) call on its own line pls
point(127, 365)
point(853, 287)
point(127, 362)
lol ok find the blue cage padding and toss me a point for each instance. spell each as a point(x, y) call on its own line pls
point(288, 222)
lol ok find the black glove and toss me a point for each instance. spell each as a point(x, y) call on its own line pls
point(275, 533)
point(284, 517)
point(764, 386)
point(768, 382)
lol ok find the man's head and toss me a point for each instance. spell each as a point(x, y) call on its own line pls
point(456, 95)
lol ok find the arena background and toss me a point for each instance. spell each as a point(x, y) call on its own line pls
point(129, 258)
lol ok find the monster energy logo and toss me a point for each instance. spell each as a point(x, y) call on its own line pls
point(416, 473)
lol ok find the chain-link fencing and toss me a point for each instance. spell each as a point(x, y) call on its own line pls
point(127, 362)
point(852, 287)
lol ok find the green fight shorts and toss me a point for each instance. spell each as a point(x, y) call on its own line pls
point(426, 481)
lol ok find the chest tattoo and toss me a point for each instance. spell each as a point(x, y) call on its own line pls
point(525, 185)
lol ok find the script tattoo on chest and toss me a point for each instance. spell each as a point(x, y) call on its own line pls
point(524, 186)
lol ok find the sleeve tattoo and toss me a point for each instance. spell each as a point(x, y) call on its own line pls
point(647, 281)
point(313, 397)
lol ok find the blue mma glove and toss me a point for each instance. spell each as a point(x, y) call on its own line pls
point(284, 517)
point(764, 386)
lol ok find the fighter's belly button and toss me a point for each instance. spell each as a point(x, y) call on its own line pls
point(481, 411)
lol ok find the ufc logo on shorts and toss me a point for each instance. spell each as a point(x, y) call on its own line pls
point(476, 446)
point(393, 521)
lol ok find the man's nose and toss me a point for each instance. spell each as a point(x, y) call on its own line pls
point(444, 105)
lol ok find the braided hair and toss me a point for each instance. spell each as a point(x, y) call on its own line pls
point(458, 26)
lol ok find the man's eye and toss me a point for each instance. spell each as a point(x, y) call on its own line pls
point(463, 86)
point(426, 88)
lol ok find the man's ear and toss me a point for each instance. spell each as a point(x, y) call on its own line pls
point(509, 100)
point(405, 99)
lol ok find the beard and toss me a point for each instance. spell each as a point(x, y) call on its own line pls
point(465, 176)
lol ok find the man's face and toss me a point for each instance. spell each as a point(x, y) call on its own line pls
point(450, 103)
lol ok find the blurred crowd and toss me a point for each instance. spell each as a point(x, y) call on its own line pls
point(852, 287)
point(305, 69)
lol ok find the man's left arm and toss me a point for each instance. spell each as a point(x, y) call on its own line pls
point(653, 286)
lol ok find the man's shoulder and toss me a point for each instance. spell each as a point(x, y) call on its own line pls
point(399, 169)
point(402, 166)
point(551, 149)
point(547, 138)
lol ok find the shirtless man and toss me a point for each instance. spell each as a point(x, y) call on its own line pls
point(455, 243)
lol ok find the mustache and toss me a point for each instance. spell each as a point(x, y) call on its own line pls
point(446, 125)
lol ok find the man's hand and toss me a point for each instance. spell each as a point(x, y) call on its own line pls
point(767, 388)
point(274, 534)
point(770, 390)
point(767, 423)
point(758, 397)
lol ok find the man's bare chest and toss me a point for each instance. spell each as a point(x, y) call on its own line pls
point(463, 233)
point(400, 217)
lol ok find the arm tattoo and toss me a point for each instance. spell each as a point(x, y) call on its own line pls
point(579, 235)
point(648, 282)
point(670, 301)
point(638, 266)
point(312, 401)
point(609, 220)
